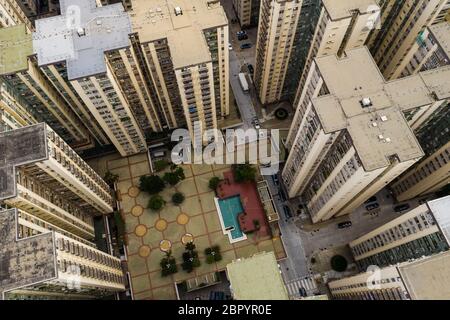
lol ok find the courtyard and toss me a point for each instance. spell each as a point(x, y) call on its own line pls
point(148, 233)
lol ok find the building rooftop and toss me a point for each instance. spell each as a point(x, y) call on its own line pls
point(20, 147)
point(266, 284)
point(441, 32)
point(429, 278)
point(180, 21)
point(338, 9)
point(81, 36)
point(15, 48)
point(24, 262)
point(441, 212)
point(371, 109)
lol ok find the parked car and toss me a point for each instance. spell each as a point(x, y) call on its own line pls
point(275, 180)
point(401, 207)
point(250, 68)
point(243, 37)
point(344, 224)
point(256, 124)
point(372, 206)
point(230, 47)
point(287, 211)
point(371, 199)
point(246, 46)
point(241, 33)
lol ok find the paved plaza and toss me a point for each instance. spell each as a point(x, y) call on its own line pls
point(149, 232)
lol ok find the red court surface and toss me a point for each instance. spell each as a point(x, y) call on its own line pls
point(250, 202)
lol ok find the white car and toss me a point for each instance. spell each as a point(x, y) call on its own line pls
point(230, 47)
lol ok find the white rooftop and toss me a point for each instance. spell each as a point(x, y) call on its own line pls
point(81, 35)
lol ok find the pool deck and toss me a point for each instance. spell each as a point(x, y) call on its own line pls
point(251, 203)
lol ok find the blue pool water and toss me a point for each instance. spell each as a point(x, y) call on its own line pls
point(229, 209)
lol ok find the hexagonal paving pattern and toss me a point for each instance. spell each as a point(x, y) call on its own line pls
point(182, 219)
point(133, 191)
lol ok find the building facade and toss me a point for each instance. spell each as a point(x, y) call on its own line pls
point(278, 23)
point(402, 22)
point(247, 12)
point(422, 231)
point(347, 146)
point(50, 196)
point(430, 123)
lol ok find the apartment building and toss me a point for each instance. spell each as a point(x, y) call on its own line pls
point(353, 138)
point(53, 194)
point(19, 69)
point(422, 231)
point(402, 22)
point(184, 46)
point(247, 12)
point(422, 279)
point(340, 26)
point(278, 24)
point(108, 85)
point(430, 123)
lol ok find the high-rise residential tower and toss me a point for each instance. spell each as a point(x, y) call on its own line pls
point(422, 279)
point(423, 231)
point(247, 12)
point(353, 138)
point(278, 23)
point(431, 123)
point(402, 22)
point(53, 196)
point(184, 52)
point(80, 36)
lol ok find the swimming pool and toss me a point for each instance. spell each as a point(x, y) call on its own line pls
point(228, 210)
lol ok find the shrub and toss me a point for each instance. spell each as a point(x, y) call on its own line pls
point(161, 165)
point(214, 183)
point(244, 172)
point(151, 184)
point(178, 198)
point(174, 176)
point(168, 265)
point(156, 203)
point(339, 263)
point(213, 254)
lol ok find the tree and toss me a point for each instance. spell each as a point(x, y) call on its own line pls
point(190, 258)
point(214, 183)
point(161, 165)
point(175, 175)
point(151, 184)
point(110, 178)
point(339, 263)
point(156, 203)
point(178, 198)
point(171, 178)
point(244, 172)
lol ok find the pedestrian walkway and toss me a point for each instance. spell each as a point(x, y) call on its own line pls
point(308, 283)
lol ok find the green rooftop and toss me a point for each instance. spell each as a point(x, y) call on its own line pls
point(15, 48)
point(265, 284)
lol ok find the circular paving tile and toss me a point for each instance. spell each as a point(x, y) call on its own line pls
point(182, 219)
point(133, 191)
point(186, 238)
point(137, 211)
point(161, 225)
point(140, 230)
point(165, 245)
point(144, 251)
